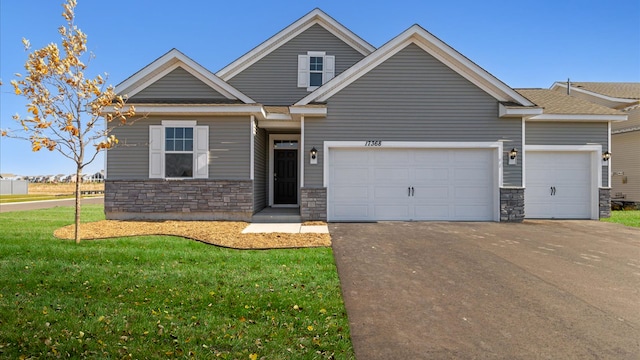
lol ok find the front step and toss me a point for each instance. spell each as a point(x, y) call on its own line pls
point(277, 215)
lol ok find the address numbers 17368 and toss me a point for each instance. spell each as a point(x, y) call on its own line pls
point(373, 143)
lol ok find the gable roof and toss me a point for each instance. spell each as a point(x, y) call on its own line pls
point(560, 106)
point(620, 90)
point(435, 47)
point(316, 16)
point(169, 62)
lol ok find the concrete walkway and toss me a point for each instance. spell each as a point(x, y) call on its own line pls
point(292, 228)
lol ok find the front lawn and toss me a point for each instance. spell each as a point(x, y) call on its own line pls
point(628, 217)
point(162, 297)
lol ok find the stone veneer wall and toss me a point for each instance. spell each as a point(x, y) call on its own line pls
point(605, 202)
point(511, 204)
point(313, 204)
point(193, 199)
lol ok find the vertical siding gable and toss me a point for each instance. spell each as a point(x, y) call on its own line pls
point(178, 84)
point(273, 79)
point(413, 97)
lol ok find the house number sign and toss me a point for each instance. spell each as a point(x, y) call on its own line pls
point(373, 143)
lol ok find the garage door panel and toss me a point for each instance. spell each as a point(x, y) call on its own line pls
point(470, 193)
point(385, 193)
point(439, 174)
point(393, 157)
point(346, 175)
point(351, 212)
point(558, 185)
point(473, 212)
point(434, 175)
point(391, 212)
point(357, 193)
point(432, 212)
point(350, 157)
point(390, 175)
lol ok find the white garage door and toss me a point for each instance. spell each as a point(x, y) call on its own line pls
point(411, 184)
point(558, 185)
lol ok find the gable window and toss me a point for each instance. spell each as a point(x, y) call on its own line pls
point(178, 150)
point(314, 69)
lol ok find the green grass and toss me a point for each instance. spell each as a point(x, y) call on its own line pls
point(5, 199)
point(628, 217)
point(162, 297)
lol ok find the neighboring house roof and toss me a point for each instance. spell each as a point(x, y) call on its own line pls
point(558, 105)
point(314, 17)
point(623, 90)
point(435, 47)
point(169, 62)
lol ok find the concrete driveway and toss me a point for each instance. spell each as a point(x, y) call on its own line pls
point(46, 204)
point(537, 290)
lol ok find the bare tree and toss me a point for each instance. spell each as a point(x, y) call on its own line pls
point(67, 111)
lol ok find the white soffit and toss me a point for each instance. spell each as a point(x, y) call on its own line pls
point(435, 47)
point(316, 16)
point(169, 62)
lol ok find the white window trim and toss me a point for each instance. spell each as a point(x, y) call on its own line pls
point(157, 149)
point(304, 69)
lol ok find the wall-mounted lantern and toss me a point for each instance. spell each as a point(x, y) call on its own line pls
point(513, 156)
point(605, 158)
point(313, 156)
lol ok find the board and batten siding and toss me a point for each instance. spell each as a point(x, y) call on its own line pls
point(625, 150)
point(229, 148)
point(260, 169)
point(412, 97)
point(178, 84)
point(273, 80)
point(569, 133)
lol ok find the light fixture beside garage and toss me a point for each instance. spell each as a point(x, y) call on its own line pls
point(313, 156)
point(606, 156)
point(513, 156)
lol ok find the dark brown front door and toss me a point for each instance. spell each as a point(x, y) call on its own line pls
point(285, 177)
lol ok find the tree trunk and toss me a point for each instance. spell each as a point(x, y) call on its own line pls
point(78, 198)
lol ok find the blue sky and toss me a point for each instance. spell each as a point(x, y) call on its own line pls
point(529, 43)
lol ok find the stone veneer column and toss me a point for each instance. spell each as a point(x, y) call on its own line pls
point(313, 204)
point(604, 202)
point(511, 204)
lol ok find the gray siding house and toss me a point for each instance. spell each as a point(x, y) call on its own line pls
point(317, 119)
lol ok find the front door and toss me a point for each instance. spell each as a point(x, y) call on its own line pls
point(285, 176)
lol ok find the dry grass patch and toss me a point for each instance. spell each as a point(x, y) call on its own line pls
point(220, 233)
point(62, 188)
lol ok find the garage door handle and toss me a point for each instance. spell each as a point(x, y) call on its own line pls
point(553, 191)
point(412, 191)
point(409, 191)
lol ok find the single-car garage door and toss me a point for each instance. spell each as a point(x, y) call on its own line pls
point(411, 184)
point(558, 185)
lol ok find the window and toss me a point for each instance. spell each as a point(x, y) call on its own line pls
point(178, 150)
point(314, 69)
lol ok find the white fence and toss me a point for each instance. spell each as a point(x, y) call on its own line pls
point(14, 187)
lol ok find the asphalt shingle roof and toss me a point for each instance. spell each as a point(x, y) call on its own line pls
point(557, 102)
point(625, 90)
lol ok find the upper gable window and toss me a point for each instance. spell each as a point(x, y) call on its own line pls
point(314, 69)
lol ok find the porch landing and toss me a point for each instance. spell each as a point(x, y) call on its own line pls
point(277, 215)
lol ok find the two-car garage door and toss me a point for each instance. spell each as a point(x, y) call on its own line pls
point(411, 184)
